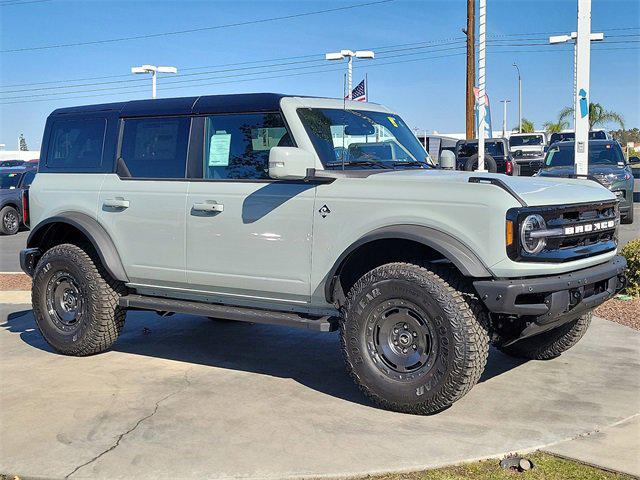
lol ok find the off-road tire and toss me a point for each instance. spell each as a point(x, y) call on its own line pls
point(7, 213)
point(551, 344)
point(489, 163)
point(628, 218)
point(462, 342)
point(101, 319)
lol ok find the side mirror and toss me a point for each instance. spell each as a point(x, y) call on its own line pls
point(518, 153)
point(289, 163)
point(447, 160)
point(634, 159)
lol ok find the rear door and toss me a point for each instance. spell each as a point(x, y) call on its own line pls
point(142, 205)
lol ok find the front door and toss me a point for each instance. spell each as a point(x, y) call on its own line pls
point(142, 206)
point(248, 237)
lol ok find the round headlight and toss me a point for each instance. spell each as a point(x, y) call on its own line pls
point(532, 243)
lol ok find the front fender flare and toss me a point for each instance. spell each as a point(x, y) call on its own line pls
point(450, 247)
point(95, 233)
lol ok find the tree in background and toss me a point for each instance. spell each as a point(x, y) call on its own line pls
point(23, 144)
point(598, 116)
point(527, 126)
point(555, 127)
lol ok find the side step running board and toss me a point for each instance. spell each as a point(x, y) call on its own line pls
point(244, 314)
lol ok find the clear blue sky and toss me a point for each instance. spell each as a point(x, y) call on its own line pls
point(429, 93)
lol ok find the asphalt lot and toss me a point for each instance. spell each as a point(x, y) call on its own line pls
point(10, 246)
point(189, 397)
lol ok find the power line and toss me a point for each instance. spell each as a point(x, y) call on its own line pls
point(195, 30)
point(18, 2)
point(325, 70)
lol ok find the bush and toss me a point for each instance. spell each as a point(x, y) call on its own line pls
point(631, 252)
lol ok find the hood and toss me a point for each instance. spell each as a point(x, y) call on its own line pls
point(593, 170)
point(535, 191)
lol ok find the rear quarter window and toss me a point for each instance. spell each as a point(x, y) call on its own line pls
point(76, 144)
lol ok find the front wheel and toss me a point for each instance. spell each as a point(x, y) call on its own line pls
point(551, 344)
point(9, 220)
point(75, 301)
point(411, 341)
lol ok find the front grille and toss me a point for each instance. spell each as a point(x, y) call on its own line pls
point(583, 221)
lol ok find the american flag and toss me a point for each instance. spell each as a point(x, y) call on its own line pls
point(359, 93)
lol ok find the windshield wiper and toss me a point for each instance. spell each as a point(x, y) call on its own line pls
point(411, 163)
point(350, 163)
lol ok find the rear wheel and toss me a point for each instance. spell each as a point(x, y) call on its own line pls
point(550, 344)
point(410, 340)
point(75, 301)
point(9, 220)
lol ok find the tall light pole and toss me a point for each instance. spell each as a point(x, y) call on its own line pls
point(348, 54)
point(153, 70)
point(504, 117)
point(594, 37)
point(582, 64)
point(519, 98)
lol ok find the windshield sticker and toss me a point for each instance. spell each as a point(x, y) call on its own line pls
point(219, 148)
point(393, 121)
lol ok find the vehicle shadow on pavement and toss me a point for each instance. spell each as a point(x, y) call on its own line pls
point(312, 359)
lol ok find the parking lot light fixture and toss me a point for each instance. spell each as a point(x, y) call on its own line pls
point(349, 54)
point(153, 70)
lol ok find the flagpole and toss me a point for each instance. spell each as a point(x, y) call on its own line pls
point(366, 87)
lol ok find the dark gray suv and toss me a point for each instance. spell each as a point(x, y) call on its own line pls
point(606, 163)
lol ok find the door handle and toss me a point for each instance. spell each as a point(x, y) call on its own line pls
point(208, 206)
point(117, 202)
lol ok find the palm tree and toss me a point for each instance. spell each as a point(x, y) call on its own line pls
point(555, 127)
point(527, 126)
point(597, 116)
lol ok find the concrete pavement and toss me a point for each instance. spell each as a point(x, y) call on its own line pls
point(608, 448)
point(188, 397)
point(10, 246)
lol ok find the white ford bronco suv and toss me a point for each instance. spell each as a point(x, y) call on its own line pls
point(316, 213)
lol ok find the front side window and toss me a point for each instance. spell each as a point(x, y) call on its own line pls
point(156, 147)
point(237, 145)
point(76, 144)
point(9, 181)
point(362, 139)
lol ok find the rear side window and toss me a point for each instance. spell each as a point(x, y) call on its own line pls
point(76, 144)
point(156, 147)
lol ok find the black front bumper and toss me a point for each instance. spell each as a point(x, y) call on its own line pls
point(550, 301)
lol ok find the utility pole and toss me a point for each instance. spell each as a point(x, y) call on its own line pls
point(519, 98)
point(482, 93)
point(471, 67)
point(504, 117)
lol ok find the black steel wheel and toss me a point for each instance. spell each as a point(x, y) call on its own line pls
point(412, 342)
point(75, 301)
point(9, 220)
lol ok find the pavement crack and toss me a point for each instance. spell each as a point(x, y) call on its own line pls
point(187, 383)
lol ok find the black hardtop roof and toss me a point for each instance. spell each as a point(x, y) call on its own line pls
point(233, 103)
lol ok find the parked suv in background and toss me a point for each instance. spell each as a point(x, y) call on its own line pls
point(606, 164)
point(13, 181)
point(527, 150)
point(237, 207)
point(497, 158)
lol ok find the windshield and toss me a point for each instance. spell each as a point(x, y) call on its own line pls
point(598, 155)
point(11, 163)
point(492, 148)
point(9, 180)
point(525, 140)
point(362, 139)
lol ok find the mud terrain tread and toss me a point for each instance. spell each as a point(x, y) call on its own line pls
point(550, 344)
point(467, 368)
point(101, 294)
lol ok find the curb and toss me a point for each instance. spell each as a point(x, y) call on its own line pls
point(15, 297)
